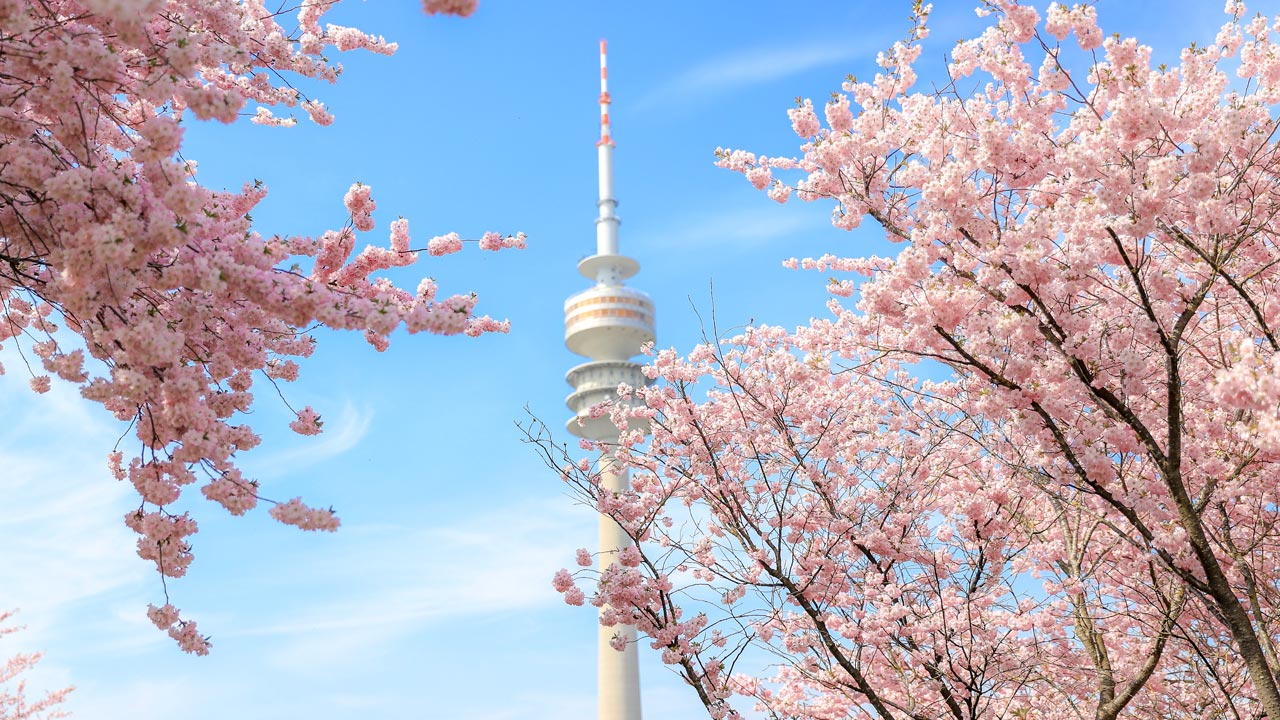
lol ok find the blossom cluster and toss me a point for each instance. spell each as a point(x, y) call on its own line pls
point(183, 632)
point(299, 515)
point(126, 276)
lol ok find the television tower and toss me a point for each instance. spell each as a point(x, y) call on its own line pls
point(608, 323)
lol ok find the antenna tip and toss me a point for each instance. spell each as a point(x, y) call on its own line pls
point(603, 45)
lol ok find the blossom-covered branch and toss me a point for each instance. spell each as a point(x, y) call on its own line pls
point(121, 273)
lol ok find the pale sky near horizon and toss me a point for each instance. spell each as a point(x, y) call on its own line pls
point(434, 600)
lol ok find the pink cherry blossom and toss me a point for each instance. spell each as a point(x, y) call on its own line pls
point(495, 241)
point(562, 581)
point(307, 422)
point(360, 204)
point(153, 293)
point(444, 244)
point(574, 596)
point(301, 516)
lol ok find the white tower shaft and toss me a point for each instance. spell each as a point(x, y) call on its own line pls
point(608, 323)
point(618, 673)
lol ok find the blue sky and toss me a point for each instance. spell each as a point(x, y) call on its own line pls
point(434, 600)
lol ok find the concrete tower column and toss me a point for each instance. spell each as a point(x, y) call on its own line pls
point(608, 323)
point(618, 673)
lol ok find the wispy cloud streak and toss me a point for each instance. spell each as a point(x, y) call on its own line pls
point(725, 74)
point(488, 563)
point(340, 435)
point(752, 226)
point(61, 529)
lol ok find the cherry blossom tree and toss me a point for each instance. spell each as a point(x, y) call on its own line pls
point(1031, 470)
point(13, 703)
point(122, 274)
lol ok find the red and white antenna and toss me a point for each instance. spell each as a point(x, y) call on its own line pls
point(605, 137)
point(607, 223)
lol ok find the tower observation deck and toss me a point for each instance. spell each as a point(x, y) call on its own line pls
point(608, 323)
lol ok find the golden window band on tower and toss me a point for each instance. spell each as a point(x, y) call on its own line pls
point(610, 299)
point(609, 312)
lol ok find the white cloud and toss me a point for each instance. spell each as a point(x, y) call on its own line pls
point(62, 530)
point(538, 705)
point(145, 699)
point(727, 73)
point(742, 227)
point(401, 579)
